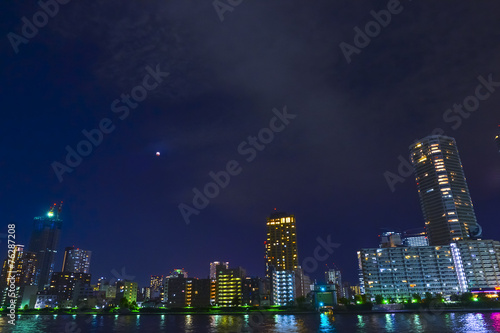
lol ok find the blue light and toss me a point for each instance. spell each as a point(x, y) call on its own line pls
point(321, 304)
point(322, 289)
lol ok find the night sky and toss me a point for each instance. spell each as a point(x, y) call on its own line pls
point(353, 120)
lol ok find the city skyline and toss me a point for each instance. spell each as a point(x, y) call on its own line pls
point(274, 216)
point(439, 152)
point(353, 123)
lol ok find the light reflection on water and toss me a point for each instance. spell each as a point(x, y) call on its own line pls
point(257, 322)
point(495, 318)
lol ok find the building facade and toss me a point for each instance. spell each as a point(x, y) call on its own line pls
point(64, 284)
point(23, 272)
point(213, 268)
point(230, 286)
point(302, 283)
point(127, 290)
point(283, 288)
point(449, 270)
point(175, 291)
point(76, 260)
point(400, 272)
point(480, 263)
point(198, 292)
point(155, 291)
point(334, 277)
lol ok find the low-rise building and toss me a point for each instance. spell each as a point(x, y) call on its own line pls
point(400, 272)
point(229, 286)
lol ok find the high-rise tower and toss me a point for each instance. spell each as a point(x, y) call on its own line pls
point(281, 243)
point(44, 241)
point(442, 188)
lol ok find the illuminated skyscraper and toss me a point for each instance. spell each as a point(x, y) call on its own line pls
point(281, 243)
point(44, 242)
point(76, 260)
point(442, 187)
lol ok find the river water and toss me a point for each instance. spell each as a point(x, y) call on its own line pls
point(262, 323)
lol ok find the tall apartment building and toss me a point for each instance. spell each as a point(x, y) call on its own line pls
point(281, 243)
point(443, 191)
point(44, 242)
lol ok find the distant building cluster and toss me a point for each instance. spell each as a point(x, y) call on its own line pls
point(449, 256)
point(284, 284)
point(39, 285)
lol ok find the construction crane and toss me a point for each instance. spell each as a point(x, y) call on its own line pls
point(51, 210)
